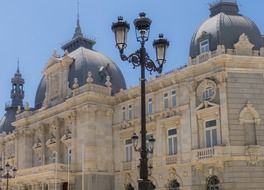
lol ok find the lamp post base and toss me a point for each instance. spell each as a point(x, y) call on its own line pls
point(145, 185)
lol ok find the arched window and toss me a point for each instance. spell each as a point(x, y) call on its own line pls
point(213, 183)
point(174, 185)
point(129, 187)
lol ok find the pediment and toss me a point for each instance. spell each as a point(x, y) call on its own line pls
point(207, 109)
point(205, 105)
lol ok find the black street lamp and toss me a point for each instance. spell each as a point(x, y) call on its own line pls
point(7, 172)
point(142, 59)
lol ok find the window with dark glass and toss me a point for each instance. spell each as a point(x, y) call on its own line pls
point(129, 187)
point(204, 46)
point(174, 185)
point(128, 150)
point(173, 98)
point(123, 113)
point(172, 141)
point(213, 183)
point(208, 93)
point(165, 101)
point(130, 112)
point(149, 136)
point(150, 106)
point(210, 133)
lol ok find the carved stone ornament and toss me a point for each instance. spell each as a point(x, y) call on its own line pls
point(108, 83)
point(51, 142)
point(90, 79)
point(249, 115)
point(206, 90)
point(253, 152)
point(67, 138)
point(75, 84)
point(243, 43)
point(10, 150)
point(172, 174)
point(37, 145)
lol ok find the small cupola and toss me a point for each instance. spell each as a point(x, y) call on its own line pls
point(228, 7)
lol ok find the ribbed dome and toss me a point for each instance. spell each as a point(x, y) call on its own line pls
point(87, 60)
point(224, 27)
point(7, 119)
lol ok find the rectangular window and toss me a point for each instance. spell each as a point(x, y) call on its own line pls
point(123, 113)
point(204, 46)
point(130, 112)
point(128, 150)
point(150, 155)
point(172, 141)
point(173, 98)
point(165, 101)
point(69, 156)
point(54, 157)
point(210, 133)
point(150, 109)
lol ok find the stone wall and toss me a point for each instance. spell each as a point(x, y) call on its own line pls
point(241, 89)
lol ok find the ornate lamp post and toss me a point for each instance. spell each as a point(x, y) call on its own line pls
point(142, 59)
point(7, 172)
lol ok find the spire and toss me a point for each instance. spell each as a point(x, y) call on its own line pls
point(18, 65)
point(17, 91)
point(78, 40)
point(78, 30)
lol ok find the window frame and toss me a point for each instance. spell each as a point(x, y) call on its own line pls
point(166, 98)
point(173, 97)
point(204, 48)
point(210, 129)
point(130, 112)
point(150, 104)
point(128, 153)
point(174, 138)
point(123, 113)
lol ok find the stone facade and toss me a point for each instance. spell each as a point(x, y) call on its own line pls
point(94, 126)
point(206, 117)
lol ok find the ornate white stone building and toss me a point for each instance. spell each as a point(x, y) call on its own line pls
point(206, 117)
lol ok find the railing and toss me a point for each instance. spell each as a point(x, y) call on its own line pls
point(204, 153)
point(221, 50)
point(94, 88)
point(42, 169)
point(171, 159)
point(127, 165)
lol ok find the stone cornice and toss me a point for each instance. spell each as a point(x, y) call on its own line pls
point(61, 109)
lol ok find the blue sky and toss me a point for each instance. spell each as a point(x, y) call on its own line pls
point(32, 29)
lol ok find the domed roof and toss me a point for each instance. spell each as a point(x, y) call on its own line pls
point(86, 60)
point(7, 119)
point(224, 27)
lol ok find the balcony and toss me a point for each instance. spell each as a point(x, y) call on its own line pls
point(205, 153)
point(171, 159)
point(127, 166)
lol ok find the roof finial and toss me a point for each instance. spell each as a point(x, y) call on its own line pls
point(78, 30)
point(18, 65)
point(78, 10)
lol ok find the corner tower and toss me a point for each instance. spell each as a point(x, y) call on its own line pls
point(17, 96)
point(224, 27)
